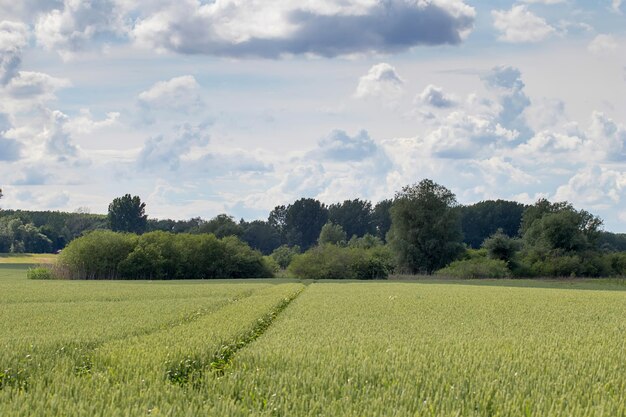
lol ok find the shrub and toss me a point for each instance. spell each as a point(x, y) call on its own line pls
point(335, 262)
point(161, 255)
point(283, 255)
point(476, 268)
point(39, 273)
point(96, 255)
point(501, 246)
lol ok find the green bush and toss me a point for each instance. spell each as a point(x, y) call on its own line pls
point(283, 255)
point(39, 273)
point(161, 255)
point(96, 255)
point(336, 262)
point(476, 268)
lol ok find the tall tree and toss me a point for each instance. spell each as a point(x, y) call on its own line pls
point(303, 222)
point(559, 227)
point(260, 235)
point(221, 226)
point(425, 230)
point(381, 219)
point(128, 214)
point(483, 219)
point(354, 216)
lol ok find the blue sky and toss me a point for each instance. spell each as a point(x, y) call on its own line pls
point(205, 107)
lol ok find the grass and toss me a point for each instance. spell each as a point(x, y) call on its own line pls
point(27, 258)
point(283, 348)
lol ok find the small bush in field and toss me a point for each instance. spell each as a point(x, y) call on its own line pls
point(476, 268)
point(39, 273)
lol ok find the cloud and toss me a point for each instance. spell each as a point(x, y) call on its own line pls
point(519, 25)
point(10, 149)
point(73, 27)
point(603, 45)
point(85, 123)
point(35, 85)
point(381, 81)
point(606, 139)
point(326, 28)
point(13, 38)
point(58, 141)
point(162, 151)
point(341, 147)
point(617, 6)
point(507, 82)
point(594, 187)
point(434, 96)
point(32, 176)
point(179, 93)
point(462, 136)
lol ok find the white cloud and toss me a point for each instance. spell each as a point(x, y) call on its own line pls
point(85, 123)
point(326, 28)
point(520, 25)
point(594, 187)
point(35, 86)
point(603, 45)
point(74, 27)
point(381, 81)
point(435, 96)
point(162, 151)
point(13, 39)
point(617, 6)
point(180, 93)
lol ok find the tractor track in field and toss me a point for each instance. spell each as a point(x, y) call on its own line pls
point(190, 370)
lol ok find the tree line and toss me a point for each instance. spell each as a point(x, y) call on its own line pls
point(421, 230)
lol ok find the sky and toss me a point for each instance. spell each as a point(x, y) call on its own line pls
point(236, 106)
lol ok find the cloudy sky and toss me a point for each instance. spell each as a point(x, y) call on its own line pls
point(202, 107)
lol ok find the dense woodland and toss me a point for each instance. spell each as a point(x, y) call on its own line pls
point(421, 230)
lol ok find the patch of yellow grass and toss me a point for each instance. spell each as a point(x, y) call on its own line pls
point(27, 258)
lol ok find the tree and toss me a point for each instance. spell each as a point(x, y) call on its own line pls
point(425, 230)
point(354, 216)
point(501, 246)
point(127, 214)
point(260, 235)
point(303, 222)
point(481, 220)
point(381, 218)
point(221, 226)
point(332, 233)
point(277, 219)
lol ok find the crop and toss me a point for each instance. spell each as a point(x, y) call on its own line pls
point(279, 348)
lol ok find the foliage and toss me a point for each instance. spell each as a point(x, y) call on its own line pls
point(335, 262)
point(40, 273)
point(354, 216)
point(221, 226)
point(476, 268)
point(368, 241)
point(333, 234)
point(425, 232)
point(127, 214)
point(501, 246)
point(481, 220)
point(96, 255)
point(260, 235)
point(612, 242)
point(59, 227)
point(161, 255)
point(381, 218)
point(283, 255)
point(303, 222)
point(19, 237)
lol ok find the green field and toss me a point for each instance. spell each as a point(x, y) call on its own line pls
point(281, 348)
